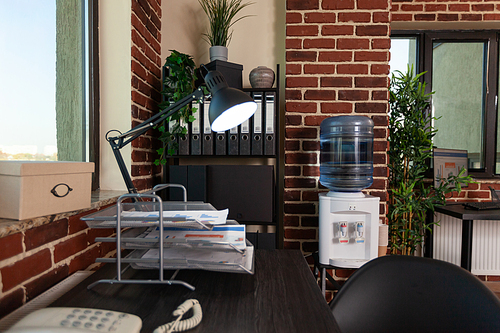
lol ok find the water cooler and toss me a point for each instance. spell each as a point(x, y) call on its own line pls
point(348, 218)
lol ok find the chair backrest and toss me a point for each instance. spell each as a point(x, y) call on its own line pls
point(412, 294)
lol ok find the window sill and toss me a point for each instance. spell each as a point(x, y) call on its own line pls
point(99, 199)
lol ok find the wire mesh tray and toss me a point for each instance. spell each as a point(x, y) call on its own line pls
point(180, 258)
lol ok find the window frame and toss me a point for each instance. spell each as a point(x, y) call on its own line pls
point(93, 84)
point(425, 40)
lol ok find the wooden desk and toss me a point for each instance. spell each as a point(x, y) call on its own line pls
point(282, 296)
point(467, 216)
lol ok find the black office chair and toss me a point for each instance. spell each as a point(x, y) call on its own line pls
point(412, 294)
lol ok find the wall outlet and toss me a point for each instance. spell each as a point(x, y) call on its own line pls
point(352, 207)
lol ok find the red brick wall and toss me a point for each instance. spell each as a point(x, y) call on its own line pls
point(146, 86)
point(445, 11)
point(33, 260)
point(337, 63)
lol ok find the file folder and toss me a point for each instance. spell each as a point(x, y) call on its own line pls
point(220, 143)
point(256, 137)
point(270, 123)
point(195, 133)
point(183, 140)
point(208, 142)
point(245, 137)
point(233, 141)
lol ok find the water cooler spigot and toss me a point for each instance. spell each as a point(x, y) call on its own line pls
point(344, 236)
point(360, 230)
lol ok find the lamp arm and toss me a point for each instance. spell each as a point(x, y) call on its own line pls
point(118, 142)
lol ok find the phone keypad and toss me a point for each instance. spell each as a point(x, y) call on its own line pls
point(97, 320)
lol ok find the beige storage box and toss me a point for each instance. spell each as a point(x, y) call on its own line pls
point(34, 188)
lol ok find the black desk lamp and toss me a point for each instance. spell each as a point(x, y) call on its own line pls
point(229, 107)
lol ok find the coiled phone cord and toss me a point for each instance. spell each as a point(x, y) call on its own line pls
point(179, 325)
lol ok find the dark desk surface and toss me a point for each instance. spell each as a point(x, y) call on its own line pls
point(282, 296)
point(460, 212)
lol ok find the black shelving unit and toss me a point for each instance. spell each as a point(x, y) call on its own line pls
point(195, 171)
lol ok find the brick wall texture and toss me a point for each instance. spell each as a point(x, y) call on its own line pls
point(35, 259)
point(146, 87)
point(337, 63)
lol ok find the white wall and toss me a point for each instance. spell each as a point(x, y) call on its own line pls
point(115, 85)
point(258, 40)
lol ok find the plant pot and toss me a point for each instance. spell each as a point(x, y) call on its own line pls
point(261, 77)
point(218, 53)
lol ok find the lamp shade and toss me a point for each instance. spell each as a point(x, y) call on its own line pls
point(229, 107)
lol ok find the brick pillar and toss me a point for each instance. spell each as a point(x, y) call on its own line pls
point(337, 54)
point(146, 86)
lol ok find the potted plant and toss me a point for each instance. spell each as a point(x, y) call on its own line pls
point(178, 83)
point(221, 14)
point(411, 194)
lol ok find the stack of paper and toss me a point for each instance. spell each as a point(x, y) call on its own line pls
point(230, 233)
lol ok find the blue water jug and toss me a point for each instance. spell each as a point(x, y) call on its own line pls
point(346, 153)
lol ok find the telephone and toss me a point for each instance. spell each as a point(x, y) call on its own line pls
point(85, 320)
point(77, 320)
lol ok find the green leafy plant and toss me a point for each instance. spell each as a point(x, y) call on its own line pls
point(178, 83)
point(411, 195)
point(221, 14)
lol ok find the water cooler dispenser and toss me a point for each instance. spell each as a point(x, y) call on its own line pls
point(348, 218)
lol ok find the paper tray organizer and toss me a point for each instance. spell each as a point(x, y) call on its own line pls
point(144, 249)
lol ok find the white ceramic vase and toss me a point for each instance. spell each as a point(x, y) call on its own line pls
point(218, 53)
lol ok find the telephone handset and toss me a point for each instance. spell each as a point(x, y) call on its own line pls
point(179, 325)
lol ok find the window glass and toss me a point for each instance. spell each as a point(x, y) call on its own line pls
point(458, 77)
point(403, 53)
point(42, 96)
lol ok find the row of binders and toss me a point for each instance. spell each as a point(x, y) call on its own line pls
point(255, 136)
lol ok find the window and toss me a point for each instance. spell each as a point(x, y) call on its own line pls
point(48, 91)
point(462, 70)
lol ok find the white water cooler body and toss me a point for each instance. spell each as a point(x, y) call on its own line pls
point(348, 228)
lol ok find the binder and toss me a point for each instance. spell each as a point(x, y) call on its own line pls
point(233, 141)
point(174, 140)
point(245, 137)
point(208, 142)
point(256, 133)
point(220, 143)
point(195, 133)
point(270, 123)
point(183, 140)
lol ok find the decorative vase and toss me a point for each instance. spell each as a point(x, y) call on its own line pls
point(262, 77)
point(218, 53)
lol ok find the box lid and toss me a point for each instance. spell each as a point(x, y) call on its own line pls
point(218, 64)
point(35, 168)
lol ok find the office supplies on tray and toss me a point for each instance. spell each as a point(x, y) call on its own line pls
point(152, 238)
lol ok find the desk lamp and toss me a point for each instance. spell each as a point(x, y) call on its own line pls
point(229, 107)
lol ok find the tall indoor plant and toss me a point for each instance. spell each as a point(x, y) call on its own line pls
point(221, 15)
point(178, 82)
point(411, 195)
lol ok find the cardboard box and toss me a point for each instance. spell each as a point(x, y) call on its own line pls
point(34, 188)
